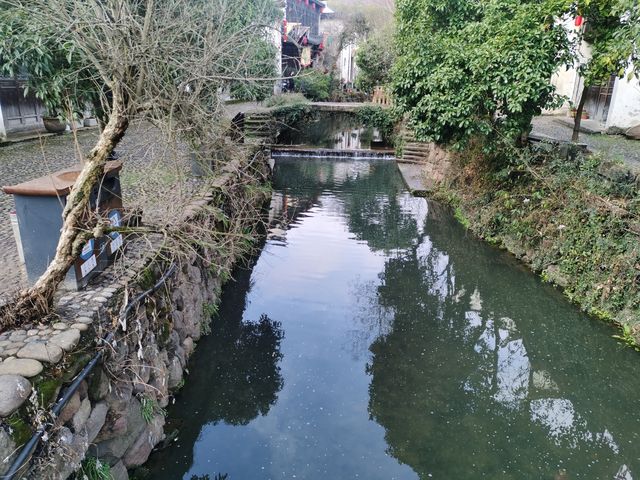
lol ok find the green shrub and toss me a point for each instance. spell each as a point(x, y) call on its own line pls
point(375, 58)
point(383, 119)
point(314, 85)
point(94, 469)
point(293, 114)
point(284, 99)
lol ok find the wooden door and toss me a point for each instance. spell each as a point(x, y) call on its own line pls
point(20, 113)
point(599, 99)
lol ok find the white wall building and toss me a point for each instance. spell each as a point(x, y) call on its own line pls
point(615, 104)
point(347, 64)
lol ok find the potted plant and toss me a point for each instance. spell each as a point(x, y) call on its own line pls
point(585, 114)
point(50, 69)
point(52, 123)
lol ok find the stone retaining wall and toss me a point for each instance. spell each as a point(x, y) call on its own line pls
point(437, 163)
point(117, 414)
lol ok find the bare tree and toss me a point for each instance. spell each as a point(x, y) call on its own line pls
point(163, 61)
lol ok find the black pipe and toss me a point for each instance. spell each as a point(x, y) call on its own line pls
point(170, 271)
point(28, 448)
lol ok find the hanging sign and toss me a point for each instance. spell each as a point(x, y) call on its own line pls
point(116, 239)
point(89, 257)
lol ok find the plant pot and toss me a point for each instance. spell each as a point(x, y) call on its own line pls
point(53, 125)
point(585, 114)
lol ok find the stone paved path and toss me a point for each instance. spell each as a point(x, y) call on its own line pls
point(614, 147)
point(154, 178)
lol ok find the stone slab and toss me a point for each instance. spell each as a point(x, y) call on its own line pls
point(96, 420)
point(119, 472)
point(633, 132)
point(41, 351)
point(586, 125)
point(82, 415)
point(25, 367)
point(66, 340)
point(414, 177)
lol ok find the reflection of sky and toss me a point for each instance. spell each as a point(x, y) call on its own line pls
point(319, 427)
point(504, 371)
point(512, 377)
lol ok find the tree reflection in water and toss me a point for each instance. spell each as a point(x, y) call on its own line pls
point(476, 369)
point(453, 383)
point(473, 365)
point(242, 379)
point(245, 371)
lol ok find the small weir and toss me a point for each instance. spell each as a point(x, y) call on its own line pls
point(292, 152)
point(374, 338)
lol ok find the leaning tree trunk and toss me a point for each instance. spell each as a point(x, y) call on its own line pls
point(37, 301)
point(578, 119)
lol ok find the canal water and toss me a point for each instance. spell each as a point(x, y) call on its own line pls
point(374, 338)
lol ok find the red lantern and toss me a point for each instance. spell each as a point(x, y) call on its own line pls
point(321, 46)
point(579, 20)
point(306, 2)
point(304, 40)
point(284, 22)
point(285, 38)
point(313, 5)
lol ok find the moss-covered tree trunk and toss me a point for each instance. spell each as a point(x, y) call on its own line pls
point(37, 301)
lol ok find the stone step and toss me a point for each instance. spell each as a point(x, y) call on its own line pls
point(416, 153)
point(264, 118)
point(414, 162)
point(420, 146)
point(258, 134)
point(414, 157)
point(257, 130)
point(417, 147)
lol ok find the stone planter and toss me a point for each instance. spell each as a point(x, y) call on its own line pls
point(54, 125)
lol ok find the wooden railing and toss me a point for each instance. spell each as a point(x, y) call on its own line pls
point(381, 97)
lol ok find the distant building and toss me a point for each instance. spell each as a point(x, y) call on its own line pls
point(342, 58)
point(302, 40)
point(17, 112)
point(615, 104)
point(347, 65)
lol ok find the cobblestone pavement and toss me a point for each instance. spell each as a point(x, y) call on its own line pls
point(615, 147)
point(154, 177)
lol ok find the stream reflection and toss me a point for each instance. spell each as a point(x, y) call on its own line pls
point(335, 130)
point(411, 351)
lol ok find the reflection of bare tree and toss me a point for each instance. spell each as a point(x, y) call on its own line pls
point(238, 375)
